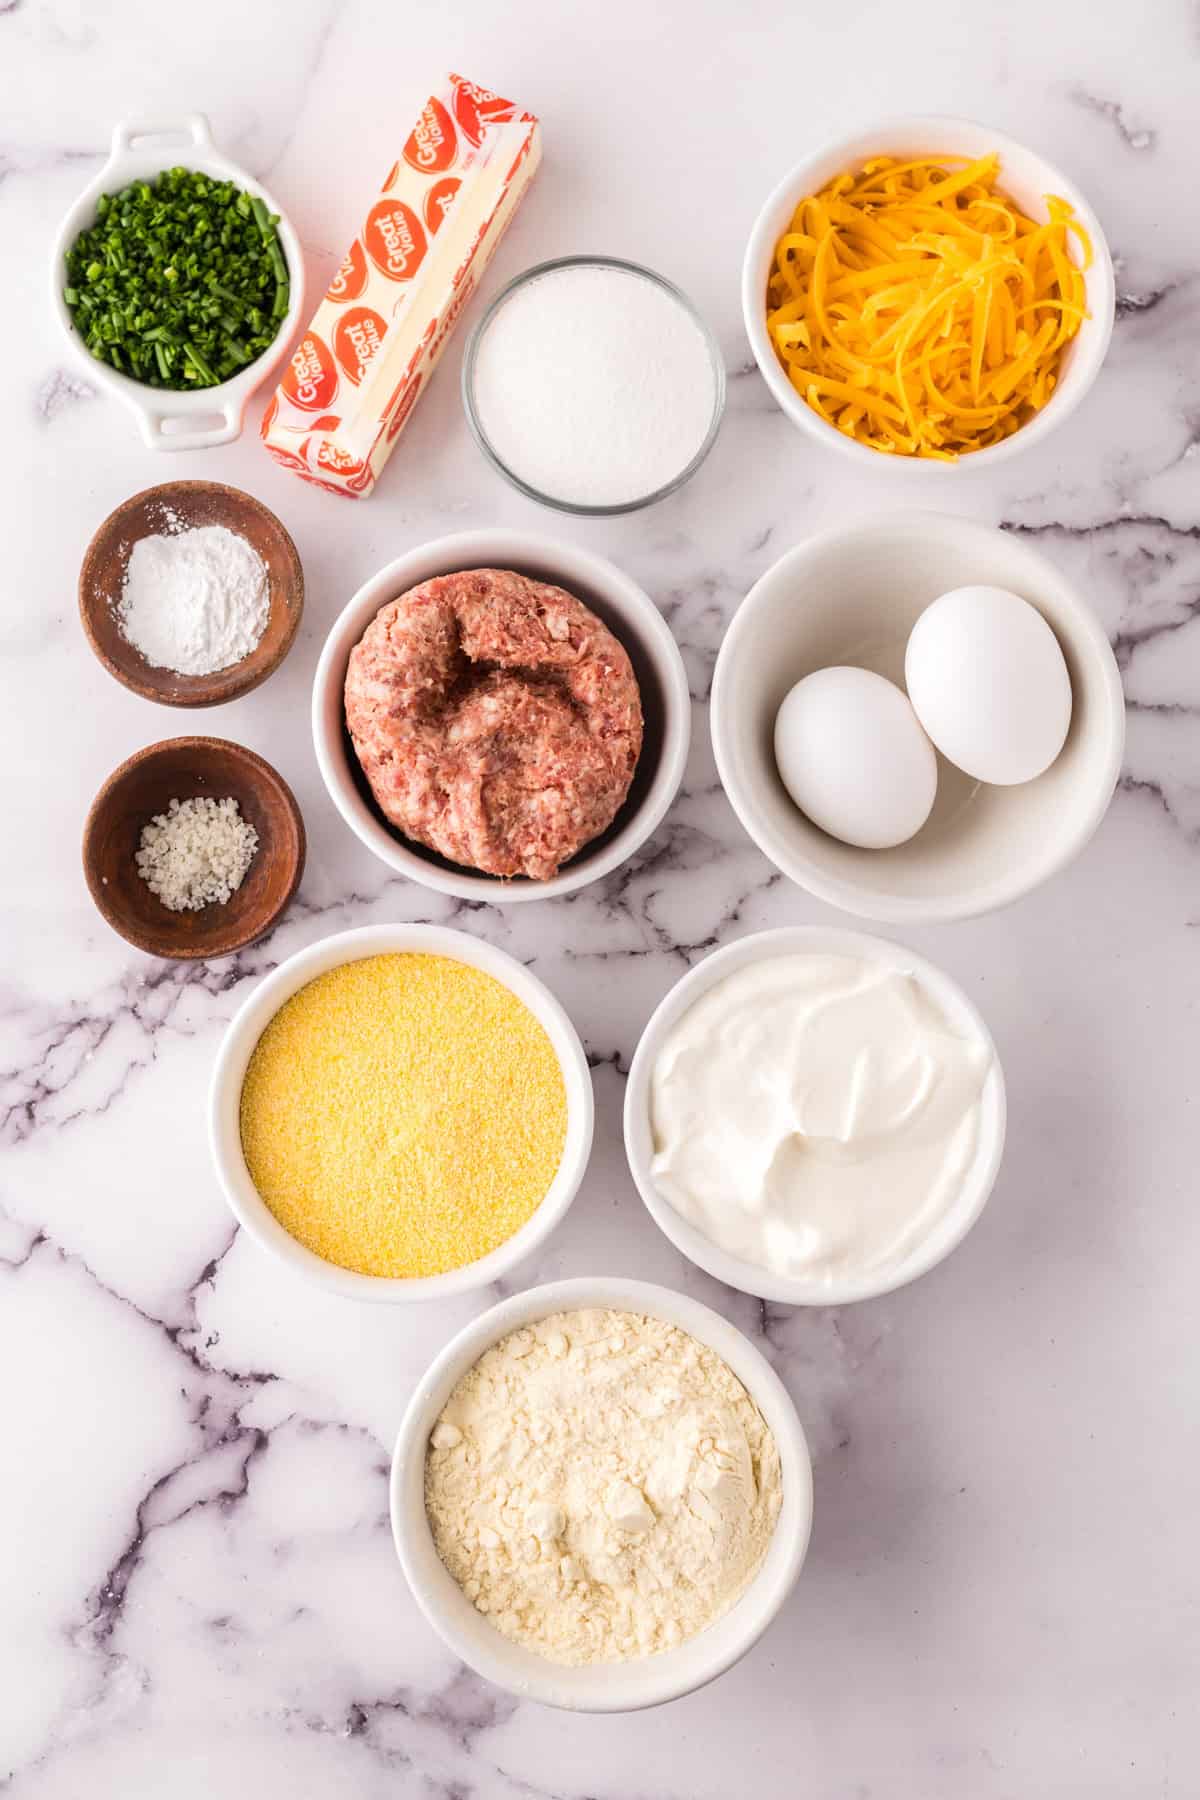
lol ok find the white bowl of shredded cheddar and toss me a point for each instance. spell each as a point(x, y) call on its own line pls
point(401, 1113)
point(928, 290)
point(698, 1420)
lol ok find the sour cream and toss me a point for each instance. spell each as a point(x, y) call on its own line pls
point(815, 1115)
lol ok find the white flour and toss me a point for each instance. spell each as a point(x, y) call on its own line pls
point(194, 601)
point(601, 1486)
point(594, 385)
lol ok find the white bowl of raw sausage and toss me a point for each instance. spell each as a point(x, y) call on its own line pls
point(630, 615)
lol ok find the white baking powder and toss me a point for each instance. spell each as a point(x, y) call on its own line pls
point(194, 601)
point(594, 385)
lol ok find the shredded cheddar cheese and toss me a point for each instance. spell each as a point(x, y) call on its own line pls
point(916, 308)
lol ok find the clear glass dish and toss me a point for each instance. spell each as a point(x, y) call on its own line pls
point(510, 474)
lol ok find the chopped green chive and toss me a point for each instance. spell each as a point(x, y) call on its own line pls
point(181, 281)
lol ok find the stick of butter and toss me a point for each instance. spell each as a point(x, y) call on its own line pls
point(373, 342)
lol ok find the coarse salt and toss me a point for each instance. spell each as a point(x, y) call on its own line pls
point(194, 601)
point(196, 853)
point(594, 385)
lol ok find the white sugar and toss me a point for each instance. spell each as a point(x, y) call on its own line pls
point(594, 385)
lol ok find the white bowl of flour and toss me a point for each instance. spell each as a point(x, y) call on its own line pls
point(621, 1499)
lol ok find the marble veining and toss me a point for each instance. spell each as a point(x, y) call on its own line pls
point(1134, 137)
point(198, 1593)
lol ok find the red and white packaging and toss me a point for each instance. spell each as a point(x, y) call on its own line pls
point(420, 251)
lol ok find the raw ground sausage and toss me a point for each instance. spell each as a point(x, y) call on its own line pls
point(497, 720)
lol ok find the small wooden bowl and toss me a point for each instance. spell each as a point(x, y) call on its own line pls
point(182, 769)
point(191, 503)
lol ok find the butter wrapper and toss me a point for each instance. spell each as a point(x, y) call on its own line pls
point(374, 341)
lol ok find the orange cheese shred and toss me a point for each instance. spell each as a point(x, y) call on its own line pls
point(916, 308)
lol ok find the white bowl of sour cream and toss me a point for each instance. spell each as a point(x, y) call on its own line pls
point(815, 1116)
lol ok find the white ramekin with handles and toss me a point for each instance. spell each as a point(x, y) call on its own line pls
point(171, 419)
point(1028, 178)
point(255, 1014)
point(600, 1687)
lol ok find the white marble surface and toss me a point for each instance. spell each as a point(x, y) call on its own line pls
point(198, 1594)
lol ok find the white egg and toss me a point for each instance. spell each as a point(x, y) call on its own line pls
point(853, 757)
point(989, 683)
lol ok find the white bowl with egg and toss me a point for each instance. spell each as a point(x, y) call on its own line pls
point(950, 1224)
point(852, 595)
point(1027, 177)
point(632, 617)
point(601, 1687)
point(255, 1014)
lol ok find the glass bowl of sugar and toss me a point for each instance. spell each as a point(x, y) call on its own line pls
point(593, 385)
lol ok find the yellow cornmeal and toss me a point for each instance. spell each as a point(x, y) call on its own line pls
point(403, 1115)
